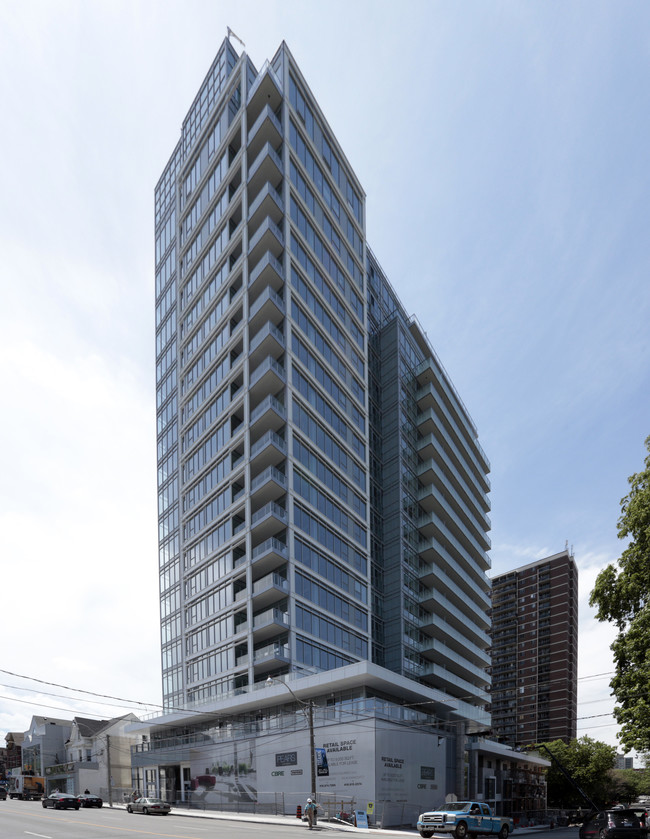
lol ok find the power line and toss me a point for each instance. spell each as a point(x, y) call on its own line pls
point(51, 707)
point(59, 695)
point(192, 711)
point(81, 690)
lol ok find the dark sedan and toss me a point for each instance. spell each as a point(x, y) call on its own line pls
point(87, 800)
point(61, 801)
point(612, 824)
point(3, 794)
point(149, 806)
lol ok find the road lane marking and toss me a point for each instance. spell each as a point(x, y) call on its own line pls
point(97, 825)
point(29, 833)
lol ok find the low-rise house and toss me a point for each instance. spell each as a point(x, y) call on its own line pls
point(44, 744)
point(98, 758)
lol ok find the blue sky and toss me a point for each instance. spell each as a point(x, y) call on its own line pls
point(503, 147)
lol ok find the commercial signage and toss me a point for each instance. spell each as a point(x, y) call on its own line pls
point(59, 768)
point(361, 818)
point(322, 769)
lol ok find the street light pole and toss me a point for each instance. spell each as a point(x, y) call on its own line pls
point(308, 710)
point(312, 749)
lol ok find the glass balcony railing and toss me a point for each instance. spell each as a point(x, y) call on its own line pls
point(268, 545)
point(270, 581)
point(270, 438)
point(267, 295)
point(269, 402)
point(267, 226)
point(268, 329)
point(267, 261)
point(270, 473)
point(270, 509)
point(265, 114)
point(268, 152)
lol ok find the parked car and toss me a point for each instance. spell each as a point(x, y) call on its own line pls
point(612, 824)
point(149, 806)
point(461, 818)
point(87, 800)
point(641, 812)
point(3, 793)
point(61, 801)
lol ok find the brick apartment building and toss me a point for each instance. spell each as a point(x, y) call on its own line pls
point(535, 652)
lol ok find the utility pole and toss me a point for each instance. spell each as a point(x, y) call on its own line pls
point(312, 748)
point(108, 769)
point(308, 710)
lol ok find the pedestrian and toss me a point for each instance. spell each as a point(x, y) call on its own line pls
point(310, 812)
point(86, 791)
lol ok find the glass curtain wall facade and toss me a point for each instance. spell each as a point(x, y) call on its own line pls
point(322, 493)
point(429, 496)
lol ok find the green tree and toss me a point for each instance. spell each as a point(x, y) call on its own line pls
point(628, 785)
point(588, 762)
point(622, 596)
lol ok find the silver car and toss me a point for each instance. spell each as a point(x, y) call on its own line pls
point(149, 806)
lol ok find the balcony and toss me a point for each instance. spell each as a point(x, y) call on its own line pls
point(454, 641)
point(445, 680)
point(466, 452)
point(441, 471)
point(269, 485)
point(271, 656)
point(268, 415)
point(269, 624)
point(267, 341)
point(443, 565)
point(269, 555)
point(266, 128)
point(450, 530)
point(452, 612)
point(268, 521)
point(266, 90)
point(268, 202)
point(464, 526)
point(241, 627)
point(267, 166)
point(436, 388)
point(267, 272)
point(269, 306)
point(267, 378)
point(452, 661)
point(270, 449)
point(267, 238)
point(269, 590)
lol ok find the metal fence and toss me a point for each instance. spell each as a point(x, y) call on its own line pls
point(263, 803)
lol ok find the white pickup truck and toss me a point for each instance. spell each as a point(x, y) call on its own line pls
point(463, 818)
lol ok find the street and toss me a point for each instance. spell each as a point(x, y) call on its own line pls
point(25, 819)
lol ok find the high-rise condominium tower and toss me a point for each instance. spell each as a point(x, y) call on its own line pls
point(535, 651)
point(323, 497)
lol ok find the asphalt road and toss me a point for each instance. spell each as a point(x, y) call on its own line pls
point(29, 820)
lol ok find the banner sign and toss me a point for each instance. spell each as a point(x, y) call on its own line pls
point(322, 769)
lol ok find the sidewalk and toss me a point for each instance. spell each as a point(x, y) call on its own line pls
point(287, 821)
point(292, 821)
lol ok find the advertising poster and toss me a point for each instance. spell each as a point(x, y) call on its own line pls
point(224, 773)
point(410, 765)
point(364, 761)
